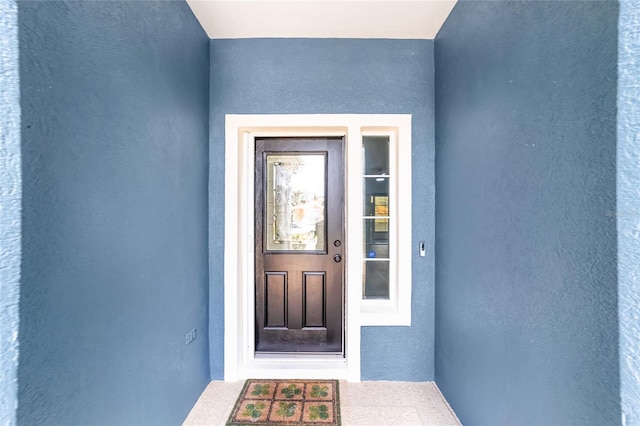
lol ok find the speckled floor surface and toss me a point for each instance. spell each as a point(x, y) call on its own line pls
point(361, 404)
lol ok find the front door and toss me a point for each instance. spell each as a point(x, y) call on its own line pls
point(299, 229)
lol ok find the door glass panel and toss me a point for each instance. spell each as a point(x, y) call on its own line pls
point(295, 208)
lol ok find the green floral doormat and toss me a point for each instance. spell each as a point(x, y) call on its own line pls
point(287, 402)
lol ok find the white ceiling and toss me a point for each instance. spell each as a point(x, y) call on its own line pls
point(417, 19)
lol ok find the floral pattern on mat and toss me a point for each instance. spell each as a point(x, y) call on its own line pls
point(287, 402)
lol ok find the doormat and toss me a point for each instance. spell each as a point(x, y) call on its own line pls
point(287, 402)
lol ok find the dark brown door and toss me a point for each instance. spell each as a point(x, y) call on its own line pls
point(299, 245)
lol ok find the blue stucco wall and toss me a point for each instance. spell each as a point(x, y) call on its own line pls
point(114, 271)
point(330, 76)
point(526, 289)
point(628, 213)
point(10, 205)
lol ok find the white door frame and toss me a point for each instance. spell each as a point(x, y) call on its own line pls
point(240, 360)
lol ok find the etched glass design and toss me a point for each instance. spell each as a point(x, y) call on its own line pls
point(296, 191)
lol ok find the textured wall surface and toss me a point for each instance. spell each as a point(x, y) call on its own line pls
point(526, 288)
point(629, 208)
point(10, 203)
point(307, 76)
point(115, 134)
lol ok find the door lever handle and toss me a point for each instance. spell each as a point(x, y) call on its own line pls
point(337, 258)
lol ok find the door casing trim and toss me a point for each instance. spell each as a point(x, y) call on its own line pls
point(240, 361)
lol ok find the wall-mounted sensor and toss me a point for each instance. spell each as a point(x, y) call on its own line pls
point(423, 251)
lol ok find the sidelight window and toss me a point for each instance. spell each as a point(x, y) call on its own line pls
point(376, 256)
point(386, 224)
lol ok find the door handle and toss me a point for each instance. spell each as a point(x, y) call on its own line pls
point(337, 258)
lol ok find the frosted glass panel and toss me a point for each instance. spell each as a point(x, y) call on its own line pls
point(295, 219)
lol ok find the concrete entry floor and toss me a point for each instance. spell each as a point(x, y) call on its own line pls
point(361, 404)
